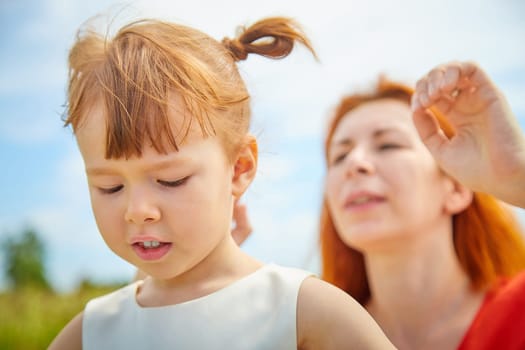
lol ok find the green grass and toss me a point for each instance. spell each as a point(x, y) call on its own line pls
point(31, 318)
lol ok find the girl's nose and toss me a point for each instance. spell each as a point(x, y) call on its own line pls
point(141, 208)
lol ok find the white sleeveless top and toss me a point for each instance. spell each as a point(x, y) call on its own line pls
point(256, 312)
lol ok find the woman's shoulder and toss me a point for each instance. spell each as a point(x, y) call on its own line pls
point(506, 296)
point(500, 320)
point(515, 285)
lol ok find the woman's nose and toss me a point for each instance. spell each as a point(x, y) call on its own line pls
point(359, 162)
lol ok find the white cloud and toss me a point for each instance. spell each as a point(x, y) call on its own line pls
point(288, 240)
point(19, 128)
point(274, 167)
point(515, 93)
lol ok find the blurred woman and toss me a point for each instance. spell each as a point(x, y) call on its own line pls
point(436, 264)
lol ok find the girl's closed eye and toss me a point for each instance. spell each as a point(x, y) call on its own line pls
point(110, 190)
point(175, 183)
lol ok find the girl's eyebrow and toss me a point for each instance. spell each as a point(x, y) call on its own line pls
point(159, 165)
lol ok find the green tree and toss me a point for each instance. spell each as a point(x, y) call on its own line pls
point(24, 259)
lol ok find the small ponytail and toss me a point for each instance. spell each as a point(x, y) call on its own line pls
point(282, 31)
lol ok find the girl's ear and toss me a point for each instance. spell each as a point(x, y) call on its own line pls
point(244, 166)
point(458, 197)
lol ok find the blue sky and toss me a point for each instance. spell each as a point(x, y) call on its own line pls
point(42, 179)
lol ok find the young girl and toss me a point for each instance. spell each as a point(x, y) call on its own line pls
point(437, 265)
point(161, 117)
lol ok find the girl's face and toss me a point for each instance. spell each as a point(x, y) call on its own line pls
point(382, 184)
point(164, 213)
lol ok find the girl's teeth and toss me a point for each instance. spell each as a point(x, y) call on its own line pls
point(151, 244)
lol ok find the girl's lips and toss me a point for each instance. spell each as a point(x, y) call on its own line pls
point(151, 253)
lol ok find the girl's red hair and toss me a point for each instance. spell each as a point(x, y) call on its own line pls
point(487, 237)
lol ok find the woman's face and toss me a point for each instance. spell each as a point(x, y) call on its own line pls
point(382, 184)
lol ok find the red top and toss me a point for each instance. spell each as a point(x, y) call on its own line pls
point(500, 321)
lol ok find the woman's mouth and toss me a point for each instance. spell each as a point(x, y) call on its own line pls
point(363, 201)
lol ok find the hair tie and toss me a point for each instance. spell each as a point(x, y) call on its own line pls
point(236, 49)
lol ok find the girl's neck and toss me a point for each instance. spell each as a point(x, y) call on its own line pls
point(420, 294)
point(223, 266)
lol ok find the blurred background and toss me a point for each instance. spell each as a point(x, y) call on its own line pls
point(46, 225)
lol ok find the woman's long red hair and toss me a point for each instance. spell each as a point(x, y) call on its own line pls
point(488, 239)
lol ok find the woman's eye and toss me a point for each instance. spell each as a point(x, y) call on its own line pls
point(387, 146)
point(338, 159)
point(111, 189)
point(175, 183)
